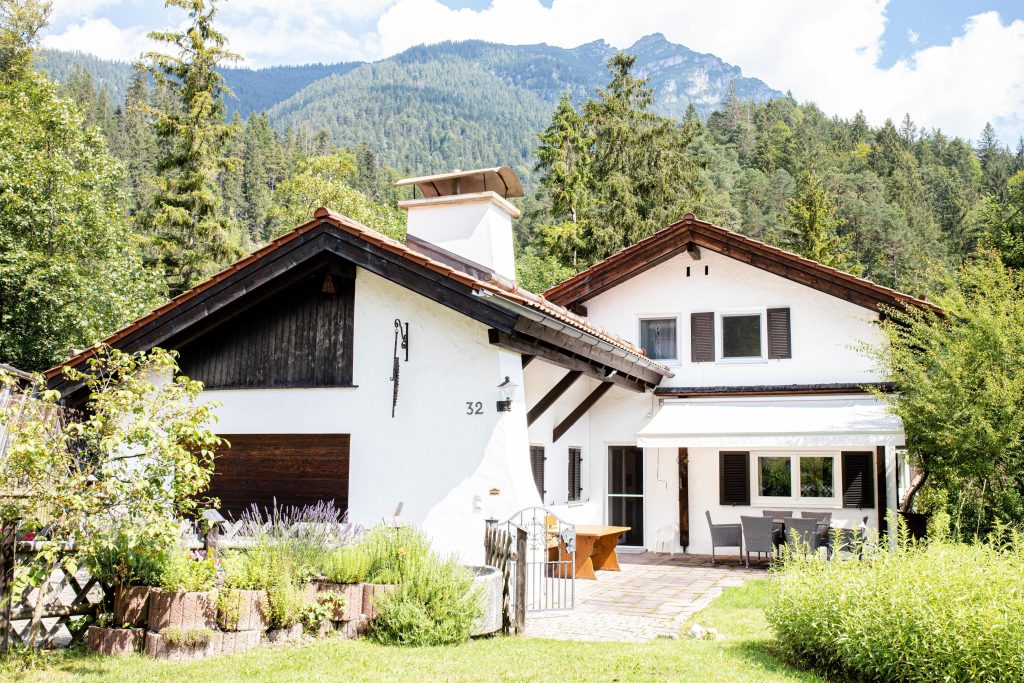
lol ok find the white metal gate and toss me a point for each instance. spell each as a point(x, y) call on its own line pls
point(550, 562)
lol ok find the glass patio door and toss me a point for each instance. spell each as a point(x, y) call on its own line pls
point(626, 492)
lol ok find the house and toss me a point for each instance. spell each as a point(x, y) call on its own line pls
point(697, 370)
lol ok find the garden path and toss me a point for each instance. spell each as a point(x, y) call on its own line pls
point(651, 597)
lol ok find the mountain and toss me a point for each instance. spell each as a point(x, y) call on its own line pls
point(454, 104)
point(255, 89)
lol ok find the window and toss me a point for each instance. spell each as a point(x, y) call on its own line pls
point(774, 476)
point(816, 477)
point(658, 338)
point(741, 336)
point(575, 480)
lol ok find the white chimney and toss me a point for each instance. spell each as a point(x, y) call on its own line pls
point(464, 219)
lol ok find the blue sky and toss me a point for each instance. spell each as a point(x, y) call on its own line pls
point(952, 64)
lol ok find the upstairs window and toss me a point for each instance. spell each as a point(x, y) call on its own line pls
point(658, 338)
point(741, 336)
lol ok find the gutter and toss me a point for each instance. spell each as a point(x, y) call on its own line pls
point(571, 331)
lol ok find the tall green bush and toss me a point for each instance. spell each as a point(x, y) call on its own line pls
point(939, 612)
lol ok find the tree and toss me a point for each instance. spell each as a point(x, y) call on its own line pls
point(959, 380)
point(137, 460)
point(1002, 222)
point(324, 181)
point(194, 237)
point(20, 24)
point(564, 158)
point(69, 269)
point(812, 221)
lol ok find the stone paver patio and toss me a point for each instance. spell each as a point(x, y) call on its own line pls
point(651, 597)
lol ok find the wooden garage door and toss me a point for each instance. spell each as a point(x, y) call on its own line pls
point(296, 469)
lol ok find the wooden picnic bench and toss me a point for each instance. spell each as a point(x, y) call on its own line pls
point(595, 549)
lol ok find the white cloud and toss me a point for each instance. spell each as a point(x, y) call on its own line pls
point(101, 38)
point(825, 52)
point(913, 36)
point(78, 9)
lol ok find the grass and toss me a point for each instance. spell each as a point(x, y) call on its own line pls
point(745, 655)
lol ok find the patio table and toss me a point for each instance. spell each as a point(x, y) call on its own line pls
point(595, 549)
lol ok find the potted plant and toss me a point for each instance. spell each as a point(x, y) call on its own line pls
point(184, 599)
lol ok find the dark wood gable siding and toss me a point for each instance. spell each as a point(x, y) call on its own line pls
point(300, 337)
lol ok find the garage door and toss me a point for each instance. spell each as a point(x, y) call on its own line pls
point(296, 469)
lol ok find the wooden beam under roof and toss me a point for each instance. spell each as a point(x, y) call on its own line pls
point(549, 398)
point(581, 410)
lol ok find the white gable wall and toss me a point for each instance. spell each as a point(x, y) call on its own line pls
point(433, 457)
point(824, 328)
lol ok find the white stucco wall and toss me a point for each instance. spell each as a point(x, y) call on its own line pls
point(824, 328)
point(433, 457)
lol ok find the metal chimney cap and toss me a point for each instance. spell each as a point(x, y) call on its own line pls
point(501, 180)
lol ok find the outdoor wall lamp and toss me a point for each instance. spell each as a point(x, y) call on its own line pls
point(508, 392)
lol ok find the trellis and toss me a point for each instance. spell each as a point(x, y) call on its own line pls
point(69, 598)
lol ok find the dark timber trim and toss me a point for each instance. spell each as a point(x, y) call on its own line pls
point(549, 398)
point(773, 389)
point(880, 486)
point(556, 356)
point(581, 410)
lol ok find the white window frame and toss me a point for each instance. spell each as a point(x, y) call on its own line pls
point(679, 334)
point(762, 313)
point(794, 499)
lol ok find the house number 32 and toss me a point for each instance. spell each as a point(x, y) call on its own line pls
point(474, 408)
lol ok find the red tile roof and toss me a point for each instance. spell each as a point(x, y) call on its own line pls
point(511, 292)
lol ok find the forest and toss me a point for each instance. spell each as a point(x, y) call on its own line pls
point(162, 188)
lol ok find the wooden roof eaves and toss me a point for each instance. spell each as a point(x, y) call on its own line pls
point(672, 240)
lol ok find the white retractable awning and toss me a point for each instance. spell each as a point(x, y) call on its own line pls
point(776, 422)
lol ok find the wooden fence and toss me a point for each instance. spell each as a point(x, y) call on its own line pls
point(498, 552)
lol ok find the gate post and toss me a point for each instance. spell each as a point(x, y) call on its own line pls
point(8, 539)
point(520, 580)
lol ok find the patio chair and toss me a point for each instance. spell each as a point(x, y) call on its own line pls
point(724, 536)
point(803, 534)
point(777, 514)
point(820, 516)
point(667, 538)
point(759, 536)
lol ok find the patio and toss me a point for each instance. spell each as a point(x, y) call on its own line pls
point(651, 597)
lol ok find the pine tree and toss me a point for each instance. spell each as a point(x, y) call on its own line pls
point(813, 225)
point(195, 237)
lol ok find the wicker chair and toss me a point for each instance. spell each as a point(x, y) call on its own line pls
point(759, 536)
point(777, 514)
point(724, 536)
point(820, 516)
point(803, 534)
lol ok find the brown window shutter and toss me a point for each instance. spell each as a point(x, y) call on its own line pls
point(779, 345)
point(858, 480)
point(537, 465)
point(702, 337)
point(575, 465)
point(734, 478)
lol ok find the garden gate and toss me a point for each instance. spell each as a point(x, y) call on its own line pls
point(548, 565)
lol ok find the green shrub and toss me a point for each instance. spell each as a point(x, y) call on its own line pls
point(247, 570)
point(435, 603)
point(118, 559)
point(347, 565)
point(180, 573)
point(941, 611)
point(391, 551)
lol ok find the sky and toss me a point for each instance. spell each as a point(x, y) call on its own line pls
point(951, 64)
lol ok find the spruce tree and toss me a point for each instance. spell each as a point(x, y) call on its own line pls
point(194, 236)
point(813, 225)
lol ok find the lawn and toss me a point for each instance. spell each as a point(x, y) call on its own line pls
point(745, 655)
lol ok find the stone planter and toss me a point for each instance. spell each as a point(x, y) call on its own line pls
point(489, 581)
point(158, 647)
point(354, 628)
point(289, 634)
point(131, 605)
point(370, 593)
point(309, 592)
point(239, 641)
point(181, 610)
point(247, 611)
point(117, 642)
point(353, 593)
